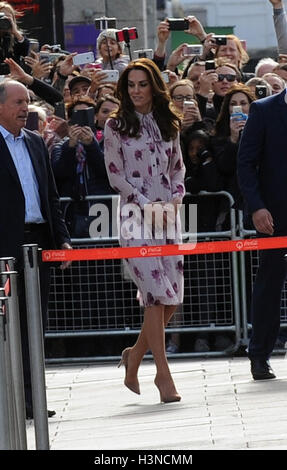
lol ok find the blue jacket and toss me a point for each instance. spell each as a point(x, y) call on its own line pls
point(262, 159)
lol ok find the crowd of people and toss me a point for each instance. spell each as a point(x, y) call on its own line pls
point(203, 91)
point(82, 117)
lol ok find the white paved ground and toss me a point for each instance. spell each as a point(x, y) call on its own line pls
point(222, 407)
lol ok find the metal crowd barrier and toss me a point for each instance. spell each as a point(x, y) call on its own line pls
point(97, 298)
point(249, 262)
point(12, 401)
point(12, 395)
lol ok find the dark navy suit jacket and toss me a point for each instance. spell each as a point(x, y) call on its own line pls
point(262, 159)
point(12, 206)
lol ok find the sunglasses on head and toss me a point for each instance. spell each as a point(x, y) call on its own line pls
point(229, 77)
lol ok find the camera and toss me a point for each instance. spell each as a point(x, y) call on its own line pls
point(210, 65)
point(105, 23)
point(83, 117)
point(260, 91)
point(220, 40)
point(178, 24)
point(193, 49)
point(56, 48)
point(44, 57)
point(5, 22)
point(126, 34)
point(146, 53)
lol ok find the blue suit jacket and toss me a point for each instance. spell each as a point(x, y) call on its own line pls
point(262, 159)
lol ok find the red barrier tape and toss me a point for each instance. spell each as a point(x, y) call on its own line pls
point(165, 250)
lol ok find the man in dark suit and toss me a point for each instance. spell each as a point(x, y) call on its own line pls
point(30, 209)
point(262, 174)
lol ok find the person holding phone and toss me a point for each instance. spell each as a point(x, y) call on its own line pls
point(17, 44)
point(111, 51)
point(225, 143)
point(145, 166)
point(183, 98)
point(78, 166)
point(219, 76)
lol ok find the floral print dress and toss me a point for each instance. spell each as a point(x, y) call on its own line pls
point(144, 170)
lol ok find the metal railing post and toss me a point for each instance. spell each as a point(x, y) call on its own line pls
point(16, 356)
point(36, 345)
point(5, 435)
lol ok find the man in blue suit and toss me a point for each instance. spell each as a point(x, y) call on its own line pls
point(262, 175)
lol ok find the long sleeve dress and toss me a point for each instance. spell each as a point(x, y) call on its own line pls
point(144, 170)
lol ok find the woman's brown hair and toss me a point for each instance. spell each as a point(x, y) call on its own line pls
point(128, 122)
point(222, 125)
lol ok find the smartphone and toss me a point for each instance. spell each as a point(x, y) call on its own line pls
point(105, 23)
point(44, 57)
point(210, 65)
point(237, 114)
point(146, 53)
point(260, 91)
point(193, 49)
point(112, 76)
point(220, 40)
point(60, 110)
point(83, 117)
point(32, 122)
point(187, 104)
point(84, 58)
point(53, 56)
point(165, 77)
point(178, 24)
point(33, 45)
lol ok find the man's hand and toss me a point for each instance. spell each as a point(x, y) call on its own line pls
point(176, 57)
point(66, 66)
point(66, 264)
point(196, 28)
point(277, 3)
point(40, 68)
point(263, 221)
point(17, 73)
point(98, 78)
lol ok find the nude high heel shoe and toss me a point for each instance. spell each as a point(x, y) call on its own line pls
point(133, 386)
point(165, 395)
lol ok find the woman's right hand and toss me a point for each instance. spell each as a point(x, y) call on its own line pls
point(236, 127)
point(74, 134)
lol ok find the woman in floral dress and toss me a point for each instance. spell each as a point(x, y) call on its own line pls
point(145, 166)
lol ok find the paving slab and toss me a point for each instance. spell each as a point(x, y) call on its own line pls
point(222, 408)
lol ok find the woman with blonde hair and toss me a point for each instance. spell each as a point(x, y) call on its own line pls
point(15, 44)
